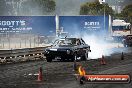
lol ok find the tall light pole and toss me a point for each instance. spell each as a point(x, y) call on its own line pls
point(103, 2)
point(104, 16)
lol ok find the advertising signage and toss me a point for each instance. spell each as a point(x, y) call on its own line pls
point(44, 25)
point(84, 24)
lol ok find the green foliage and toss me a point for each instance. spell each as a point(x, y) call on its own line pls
point(95, 8)
point(127, 11)
point(126, 14)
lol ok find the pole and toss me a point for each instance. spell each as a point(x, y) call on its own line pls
point(103, 2)
point(104, 17)
point(57, 25)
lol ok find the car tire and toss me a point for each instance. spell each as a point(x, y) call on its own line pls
point(85, 56)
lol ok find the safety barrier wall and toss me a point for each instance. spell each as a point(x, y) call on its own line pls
point(19, 55)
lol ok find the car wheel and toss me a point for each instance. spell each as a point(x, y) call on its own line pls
point(85, 56)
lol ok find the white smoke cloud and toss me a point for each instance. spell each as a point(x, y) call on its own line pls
point(97, 45)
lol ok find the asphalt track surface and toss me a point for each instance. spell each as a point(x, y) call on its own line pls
point(61, 74)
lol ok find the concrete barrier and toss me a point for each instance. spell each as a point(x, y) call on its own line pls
point(19, 55)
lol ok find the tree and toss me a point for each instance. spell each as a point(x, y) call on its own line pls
point(95, 8)
point(127, 13)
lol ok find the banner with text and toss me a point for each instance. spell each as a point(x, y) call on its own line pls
point(44, 25)
point(97, 25)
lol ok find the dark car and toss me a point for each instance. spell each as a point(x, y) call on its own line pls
point(68, 49)
point(127, 41)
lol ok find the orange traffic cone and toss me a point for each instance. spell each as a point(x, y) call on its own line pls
point(102, 61)
point(122, 56)
point(40, 74)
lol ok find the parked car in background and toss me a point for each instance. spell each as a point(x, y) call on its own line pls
point(127, 41)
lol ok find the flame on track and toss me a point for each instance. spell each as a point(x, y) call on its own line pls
point(81, 71)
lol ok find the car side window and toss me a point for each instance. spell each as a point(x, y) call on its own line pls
point(83, 42)
point(78, 42)
point(56, 42)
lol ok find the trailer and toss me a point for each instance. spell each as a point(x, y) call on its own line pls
point(120, 29)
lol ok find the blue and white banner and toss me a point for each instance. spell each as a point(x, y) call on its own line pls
point(85, 24)
point(44, 25)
